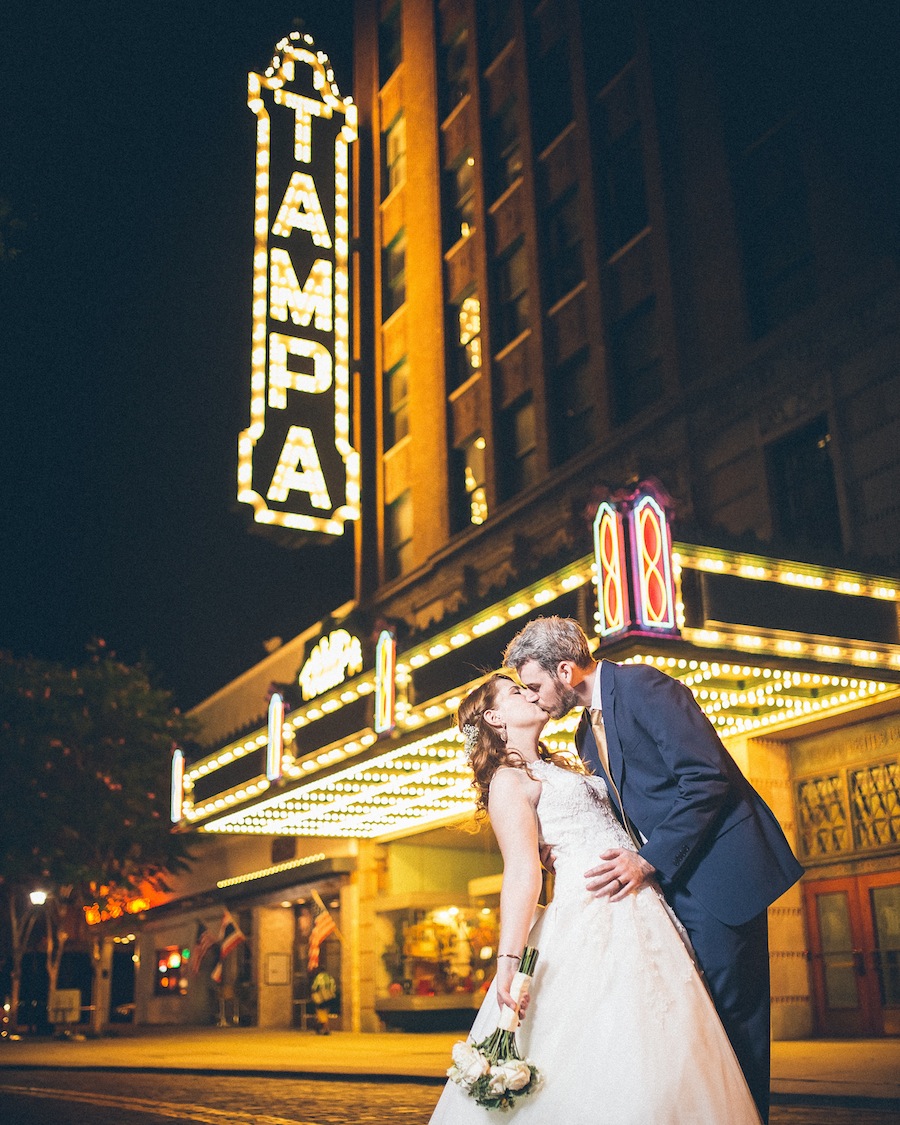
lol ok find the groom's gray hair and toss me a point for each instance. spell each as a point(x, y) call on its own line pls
point(547, 641)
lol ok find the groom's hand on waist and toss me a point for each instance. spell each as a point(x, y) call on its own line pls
point(619, 872)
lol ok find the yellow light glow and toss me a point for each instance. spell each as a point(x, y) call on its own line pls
point(320, 303)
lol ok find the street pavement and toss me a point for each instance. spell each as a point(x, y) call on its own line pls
point(838, 1072)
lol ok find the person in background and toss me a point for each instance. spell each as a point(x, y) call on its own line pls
point(323, 991)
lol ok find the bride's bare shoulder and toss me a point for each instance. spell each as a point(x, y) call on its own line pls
point(511, 783)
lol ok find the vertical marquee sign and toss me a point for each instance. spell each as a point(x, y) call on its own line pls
point(296, 466)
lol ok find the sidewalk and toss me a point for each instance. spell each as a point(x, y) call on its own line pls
point(843, 1071)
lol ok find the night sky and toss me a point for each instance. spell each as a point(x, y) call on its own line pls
point(127, 159)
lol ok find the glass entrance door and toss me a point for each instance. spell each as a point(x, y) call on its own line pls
point(854, 926)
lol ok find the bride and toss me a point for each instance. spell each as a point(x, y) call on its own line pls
point(619, 1022)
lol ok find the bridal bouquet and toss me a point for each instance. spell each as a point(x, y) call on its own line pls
point(493, 1072)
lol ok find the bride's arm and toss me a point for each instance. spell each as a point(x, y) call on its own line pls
point(512, 807)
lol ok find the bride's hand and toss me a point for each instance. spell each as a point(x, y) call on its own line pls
point(507, 968)
point(620, 872)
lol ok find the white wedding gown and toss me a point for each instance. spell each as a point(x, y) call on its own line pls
point(620, 1024)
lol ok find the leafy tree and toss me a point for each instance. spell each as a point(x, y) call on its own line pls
point(84, 793)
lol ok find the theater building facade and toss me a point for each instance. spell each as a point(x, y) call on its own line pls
point(576, 308)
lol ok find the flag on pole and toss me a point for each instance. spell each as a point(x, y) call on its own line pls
point(203, 943)
point(230, 937)
point(322, 927)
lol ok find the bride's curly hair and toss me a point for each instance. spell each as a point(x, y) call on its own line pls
point(486, 749)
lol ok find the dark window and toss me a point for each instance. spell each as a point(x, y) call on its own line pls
point(770, 192)
point(625, 213)
point(495, 28)
point(551, 94)
point(393, 260)
point(635, 359)
point(762, 86)
point(511, 286)
point(504, 148)
point(396, 414)
point(394, 155)
point(390, 44)
point(802, 489)
point(608, 35)
point(455, 66)
point(518, 441)
point(573, 398)
point(565, 268)
point(398, 536)
point(465, 333)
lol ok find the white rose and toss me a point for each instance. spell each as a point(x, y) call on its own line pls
point(514, 1074)
point(470, 1065)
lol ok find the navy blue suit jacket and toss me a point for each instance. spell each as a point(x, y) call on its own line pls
point(706, 827)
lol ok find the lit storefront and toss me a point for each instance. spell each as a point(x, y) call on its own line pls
point(369, 775)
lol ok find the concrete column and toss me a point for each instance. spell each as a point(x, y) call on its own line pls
point(101, 985)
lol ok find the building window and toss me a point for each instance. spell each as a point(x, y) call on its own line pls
point(171, 977)
point(551, 94)
point(802, 489)
point(504, 148)
point(461, 194)
point(396, 415)
point(770, 193)
point(609, 35)
point(625, 214)
point(518, 441)
point(398, 536)
point(467, 335)
point(393, 263)
point(454, 53)
point(496, 26)
point(574, 393)
point(636, 361)
point(394, 153)
point(565, 268)
point(511, 286)
point(390, 44)
point(469, 483)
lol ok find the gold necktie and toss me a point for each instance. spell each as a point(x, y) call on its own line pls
point(599, 730)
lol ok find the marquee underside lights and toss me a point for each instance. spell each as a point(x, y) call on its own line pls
point(748, 682)
point(296, 466)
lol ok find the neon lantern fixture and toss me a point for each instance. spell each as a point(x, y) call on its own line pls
point(275, 740)
point(296, 466)
point(385, 681)
point(177, 803)
point(633, 560)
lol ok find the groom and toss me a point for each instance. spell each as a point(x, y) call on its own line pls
point(703, 832)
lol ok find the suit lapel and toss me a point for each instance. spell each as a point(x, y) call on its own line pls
point(613, 745)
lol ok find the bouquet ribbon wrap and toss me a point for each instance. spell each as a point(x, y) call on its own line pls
point(493, 1072)
point(509, 1017)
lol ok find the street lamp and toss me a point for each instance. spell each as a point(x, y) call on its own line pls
point(38, 898)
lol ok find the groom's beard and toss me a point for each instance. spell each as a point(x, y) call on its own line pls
point(564, 701)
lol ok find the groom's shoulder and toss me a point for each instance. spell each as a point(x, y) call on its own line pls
point(627, 676)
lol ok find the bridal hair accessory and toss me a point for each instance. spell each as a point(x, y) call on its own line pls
point(470, 734)
point(493, 1072)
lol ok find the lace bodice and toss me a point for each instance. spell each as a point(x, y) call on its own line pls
point(576, 818)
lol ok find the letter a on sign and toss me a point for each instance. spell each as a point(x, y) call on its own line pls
point(296, 466)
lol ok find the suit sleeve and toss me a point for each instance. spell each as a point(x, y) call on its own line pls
point(700, 772)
